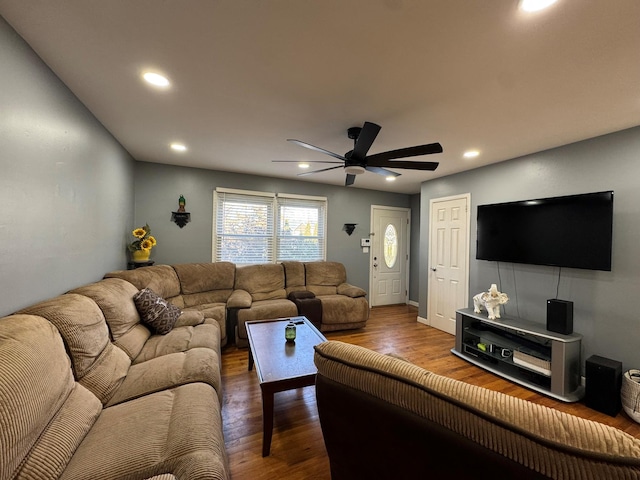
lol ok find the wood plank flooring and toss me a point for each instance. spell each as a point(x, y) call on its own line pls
point(297, 448)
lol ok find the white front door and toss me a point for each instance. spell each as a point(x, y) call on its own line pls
point(448, 260)
point(389, 259)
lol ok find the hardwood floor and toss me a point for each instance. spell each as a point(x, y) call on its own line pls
point(297, 448)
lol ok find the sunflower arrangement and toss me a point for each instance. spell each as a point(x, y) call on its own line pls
point(144, 240)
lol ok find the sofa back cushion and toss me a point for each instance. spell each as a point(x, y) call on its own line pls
point(97, 364)
point(204, 277)
point(491, 430)
point(162, 279)
point(263, 282)
point(114, 296)
point(294, 277)
point(44, 413)
point(323, 278)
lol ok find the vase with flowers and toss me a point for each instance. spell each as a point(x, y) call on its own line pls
point(141, 247)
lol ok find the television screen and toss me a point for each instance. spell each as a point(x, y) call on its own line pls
point(572, 231)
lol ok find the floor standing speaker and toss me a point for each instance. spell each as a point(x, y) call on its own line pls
point(603, 383)
point(560, 316)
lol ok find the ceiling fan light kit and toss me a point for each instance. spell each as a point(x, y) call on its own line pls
point(356, 161)
point(354, 169)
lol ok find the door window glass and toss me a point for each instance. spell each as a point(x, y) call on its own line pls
point(390, 246)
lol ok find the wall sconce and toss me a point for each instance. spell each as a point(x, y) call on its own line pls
point(181, 217)
point(349, 228)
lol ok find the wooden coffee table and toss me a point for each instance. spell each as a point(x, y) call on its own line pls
point(281, 365)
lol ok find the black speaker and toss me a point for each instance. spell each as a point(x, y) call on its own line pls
point(604, 380)
point(560, 316)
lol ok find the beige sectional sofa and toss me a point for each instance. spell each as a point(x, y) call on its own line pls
point(87, 390)
point(263, 292)
point(120, 379)
point(233, 295)
point(430, 426)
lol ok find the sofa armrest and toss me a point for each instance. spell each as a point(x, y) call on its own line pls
point(350, 290)
point(239, 299)
point(189, 318)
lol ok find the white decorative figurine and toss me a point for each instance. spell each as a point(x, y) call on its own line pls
point(491, 301)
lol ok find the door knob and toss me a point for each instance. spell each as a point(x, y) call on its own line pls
point(433, 269)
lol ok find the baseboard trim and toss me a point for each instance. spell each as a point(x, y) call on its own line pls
point(423, 320)
point(414, 304)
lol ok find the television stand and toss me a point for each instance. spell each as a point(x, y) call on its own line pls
point(523, 352)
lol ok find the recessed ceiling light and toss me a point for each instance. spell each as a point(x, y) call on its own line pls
point(471, 154)
point(535, 5)
point(156, 79)
point(303, 165)
point(178, 147)
point(390, 178)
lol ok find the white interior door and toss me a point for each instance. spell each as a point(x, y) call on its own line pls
point(389, 258)
point(448, 260)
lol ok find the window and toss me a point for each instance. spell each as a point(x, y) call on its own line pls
point(390, 246)
point(261, 227)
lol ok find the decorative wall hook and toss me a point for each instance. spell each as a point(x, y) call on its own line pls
point(181, 217)
point(349, 228)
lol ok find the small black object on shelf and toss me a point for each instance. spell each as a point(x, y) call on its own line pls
point(134, 265)
point(181, 217)
point(349, 228)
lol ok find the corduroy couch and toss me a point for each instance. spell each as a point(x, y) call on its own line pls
point(263, 292)
point(88, 391)
point(383, 417)
point(233, 295)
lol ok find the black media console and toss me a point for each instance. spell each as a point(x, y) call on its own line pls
point(523, 352)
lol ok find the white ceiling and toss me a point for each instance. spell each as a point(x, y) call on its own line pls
point(247, 75)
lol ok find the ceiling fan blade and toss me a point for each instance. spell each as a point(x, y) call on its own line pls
point(349, 180)
point(365, 139)
point(305, 161)
point(317, 149)
point(381, 171)
point(318, 171)
point(406, 152)
point(400, 164)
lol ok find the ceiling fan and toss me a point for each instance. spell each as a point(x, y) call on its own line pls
point(357, 161)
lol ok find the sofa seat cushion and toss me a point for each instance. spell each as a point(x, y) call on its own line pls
point(181, 339)
point(338, 308)
point(168, 371)
point(216, 311)
point(552, 443)
point(176, 431)
point(265, 310)
point(44, 413)
point(97, 363)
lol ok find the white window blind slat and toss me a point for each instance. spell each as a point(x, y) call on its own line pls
point(259, 227)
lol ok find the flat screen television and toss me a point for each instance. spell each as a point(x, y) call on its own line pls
point(572, 231)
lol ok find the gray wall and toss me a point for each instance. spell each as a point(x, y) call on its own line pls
point(605, 303)
point(66, 187)
point(158, 187)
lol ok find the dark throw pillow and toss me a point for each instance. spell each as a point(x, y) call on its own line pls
point(155, 311)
